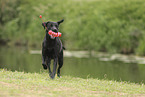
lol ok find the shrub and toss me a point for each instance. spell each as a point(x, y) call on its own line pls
point(102, 25)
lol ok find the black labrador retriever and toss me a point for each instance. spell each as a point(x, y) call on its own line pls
point(52, 48)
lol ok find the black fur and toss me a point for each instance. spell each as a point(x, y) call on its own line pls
point(52, 48)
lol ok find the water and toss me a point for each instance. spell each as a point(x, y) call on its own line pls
point(17, 58)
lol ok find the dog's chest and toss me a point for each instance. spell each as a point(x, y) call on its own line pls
point(51, 53)
point(52, 47)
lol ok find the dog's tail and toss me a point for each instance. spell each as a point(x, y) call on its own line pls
point(63, 47)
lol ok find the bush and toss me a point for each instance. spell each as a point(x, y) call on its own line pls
point(110, 26)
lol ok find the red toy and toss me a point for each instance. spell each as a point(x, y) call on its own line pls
point(40, 16)
point(58, 34)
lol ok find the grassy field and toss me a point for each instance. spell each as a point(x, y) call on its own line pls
point(20, 84)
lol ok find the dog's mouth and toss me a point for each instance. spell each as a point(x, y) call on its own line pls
point(52, 37)
point(53, 34)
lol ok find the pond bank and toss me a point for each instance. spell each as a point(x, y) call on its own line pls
point(75, 65)
point(101, 56)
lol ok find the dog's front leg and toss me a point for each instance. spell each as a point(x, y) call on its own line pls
point(48, 65)
point(44, 58)
point(54, 68)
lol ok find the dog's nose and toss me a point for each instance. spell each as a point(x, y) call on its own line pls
point(54, 30)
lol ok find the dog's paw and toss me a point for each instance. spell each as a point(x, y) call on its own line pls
point(44, 66)
point(52, 75)
point(58, 75)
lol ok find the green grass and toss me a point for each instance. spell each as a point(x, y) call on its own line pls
point(20, 84)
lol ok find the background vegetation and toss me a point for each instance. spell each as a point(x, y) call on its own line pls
point(103, 25)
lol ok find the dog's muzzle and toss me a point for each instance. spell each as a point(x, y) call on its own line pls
point(52, 37)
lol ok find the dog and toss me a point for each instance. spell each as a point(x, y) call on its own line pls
point(52, 48)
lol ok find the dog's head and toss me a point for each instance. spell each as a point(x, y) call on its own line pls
point(54, 26)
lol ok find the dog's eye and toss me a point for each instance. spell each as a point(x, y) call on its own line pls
point(51, 25)
point(56, 25)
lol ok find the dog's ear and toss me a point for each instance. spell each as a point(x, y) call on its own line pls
point(44, 24)
point(60, 21)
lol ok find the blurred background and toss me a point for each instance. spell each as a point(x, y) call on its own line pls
point(110, 26)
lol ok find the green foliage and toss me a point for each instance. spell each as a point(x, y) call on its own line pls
point(141, 49)
point(8, 10)
point(102, 25)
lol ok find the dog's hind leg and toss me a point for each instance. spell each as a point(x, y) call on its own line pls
point(48, 65)
point(43, 60)
point(60, 62)
point(54, 68)
point(60, 65)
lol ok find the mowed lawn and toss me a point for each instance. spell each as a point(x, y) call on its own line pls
point(20, 84)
